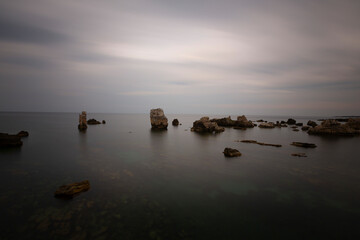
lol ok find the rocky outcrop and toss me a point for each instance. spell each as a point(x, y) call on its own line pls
point(243, 122)
point(158, 119)
point(354, 123)
point(333, 127)
point(311, 123)
point(8, 140)
point(231, 152)
point(70, 190)
point(305, 145)
point(205, 125)
point(267, 125)
point(93, 122)
point(291, 121)
point(175, 122)
point(23, 134)
point(224, 122)
point(82, 121)
point(260, 143)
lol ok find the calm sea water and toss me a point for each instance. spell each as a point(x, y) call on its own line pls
point(175, 184)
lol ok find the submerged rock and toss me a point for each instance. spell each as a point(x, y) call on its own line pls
point(23, 134)
point(311, 123)
point(70, 190)
point(305, 145)
point(298, 154)
point(175, 122)
point(205, 125)
point(8, 140)
point(158, 119)
point(93, 121)
point(333, 127)
point(291, 121)
point(267, 125)
point(231, 152)
point(260, 143)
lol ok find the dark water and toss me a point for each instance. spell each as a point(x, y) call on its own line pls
point(175, 184)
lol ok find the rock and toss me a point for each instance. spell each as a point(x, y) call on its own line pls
point(260, 143)
point(298, 154)
point(23, 134)
point(305, 128)
point(299, 124)
point(158, 119)
point(333, 127)
point(224, 122)
point(354, 123)
point(243, 122)
point(295, 127)
point(70, 190)
point(260, 120)
point(103, 122)
point(296, 130)
point(311, 123)
point(93, 121)
point(282, 122)
point(240, 128)
point(255, 125)
point(267, 125)
point(230, 152)
point(82, 121)
point(7, 140)
point(291, 121)
point(305, 145)
point(204, 125)
point(175, 122)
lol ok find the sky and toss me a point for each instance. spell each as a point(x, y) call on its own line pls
point(270, 57)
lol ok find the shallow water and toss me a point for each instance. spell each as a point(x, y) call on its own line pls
point(175, 184)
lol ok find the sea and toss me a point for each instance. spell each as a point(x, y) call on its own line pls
point(175, 184)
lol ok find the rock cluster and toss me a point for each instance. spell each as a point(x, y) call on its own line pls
point(70, 190)
point(205, 125)
point(175, 122)
point(241, 122)
point(231, 152)
point(158, 119)
point(333, 127)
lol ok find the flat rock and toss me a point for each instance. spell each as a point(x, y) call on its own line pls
point(231, 152)
point(260, 143)
point(70, 190)
point(305, 145)
point(298, 154)
point(8, 140)
point(158, 119)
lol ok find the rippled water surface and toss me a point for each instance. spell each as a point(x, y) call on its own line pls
point(175, 184)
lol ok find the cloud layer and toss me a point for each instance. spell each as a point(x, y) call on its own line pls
point(218, 57)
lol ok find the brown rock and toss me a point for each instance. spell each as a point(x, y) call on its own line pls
point(70, 190)
point(93, 121)
point(354, 123)
point(298, 154)
point(305, 128)
point(267, 125)
point(23, 134)
point(260, 143)
point(333, 127)
point(158, 119)
point(224, 122)
point(305, 145)
point(230, 152)
point(291, 121)
point(175, 122)
point(243, 122)
point(311, 123)
point(204, 125)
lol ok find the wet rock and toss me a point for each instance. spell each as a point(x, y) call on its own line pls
point(267, 125)
point(305, 128)
point(8, 140)
point(103, 122)
point(298, 154)
point(305, 145)
point(291, 121)
point(158, 119)
point(205, 125)
point(243, 122)
point(231, 152)
point(311, 123)
point(70, 190)
point(93, 121)
point(299, 124)
point(260, 143)
point(175, 122)
point(23, 134)
point(333, 127)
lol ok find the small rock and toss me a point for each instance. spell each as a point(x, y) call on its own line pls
point(267, 125)
point(298, 154)
point(305, 145)
point(295, 130)
point(299, 124)
point(291, 121)
point(93, 121)
point(305, 128)
point(103, 122)
point(311, 123)
point(70, 190)
point(175, 122)
point(7, 140)
point(230, 152)
point(23, 134)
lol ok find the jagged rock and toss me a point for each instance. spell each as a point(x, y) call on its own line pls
point(205, 125)
point(230, 152)
point(354, 123)
point(333, 127)
point(305, 128)
point(298, 154)
point(103, 122)
point(311, 123)
point(291, 121)
point(23, 134)
point(175, 122)
point(299, 124)
point(267, 125)
point(224, 122)
point(243, 122)
point(158, 119)
point(8, 140)
point(93, 121)
point(70, 190)
point(305, 145)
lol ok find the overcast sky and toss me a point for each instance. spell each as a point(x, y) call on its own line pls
point(278, 57)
